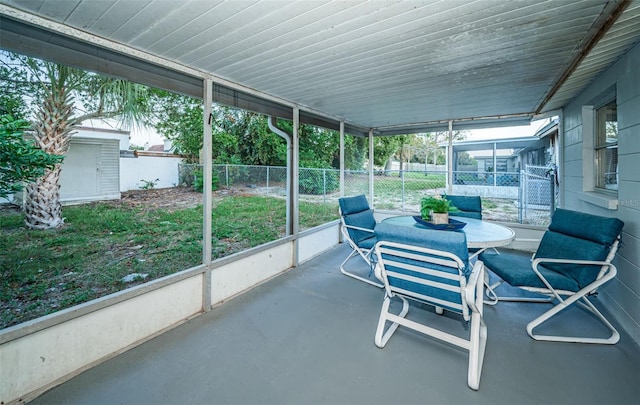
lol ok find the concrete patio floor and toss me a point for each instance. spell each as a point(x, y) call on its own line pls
point(307, 338)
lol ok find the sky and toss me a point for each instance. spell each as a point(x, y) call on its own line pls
point(507, 132)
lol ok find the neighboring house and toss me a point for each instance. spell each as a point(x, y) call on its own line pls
point(167, 147)
point(509, 155)
point(156, 148)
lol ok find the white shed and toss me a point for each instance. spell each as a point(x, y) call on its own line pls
point(91, 168)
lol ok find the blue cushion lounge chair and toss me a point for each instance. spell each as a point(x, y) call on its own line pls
point(468, 206)
point(572, 261)
point(358, 225)
point(431, 267)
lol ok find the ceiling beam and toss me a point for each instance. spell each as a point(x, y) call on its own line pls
point(611, 12)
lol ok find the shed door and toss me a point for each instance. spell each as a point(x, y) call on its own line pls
point(79, 177)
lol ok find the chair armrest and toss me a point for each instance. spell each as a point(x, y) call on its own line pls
point(605, 265)
point(358, 228)
point(539, 260)
point(476, 276)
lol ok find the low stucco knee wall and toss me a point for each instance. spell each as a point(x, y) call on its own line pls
point(40, 354)
point(39, 360)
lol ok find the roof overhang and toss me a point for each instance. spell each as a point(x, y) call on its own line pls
point(506, 143)
point(389, 68)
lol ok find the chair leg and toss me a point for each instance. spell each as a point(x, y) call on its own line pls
point(478, 344)
point(477, 339)
point(356, 276)
point(381, 337)
point(611, 340)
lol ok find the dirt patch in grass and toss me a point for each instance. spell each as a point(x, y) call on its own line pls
point(174, 198)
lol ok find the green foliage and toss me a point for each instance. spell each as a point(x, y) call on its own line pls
point(93, 95)
point(178, 118)
point(384, 147)
point(436, 205)
point(464, 159)
point(198, 180)
point(11, 103)
point(256, 144)
point(148, 184)
point(62, 97)
point(243, 137)
point(318, 181)
point(20, 160)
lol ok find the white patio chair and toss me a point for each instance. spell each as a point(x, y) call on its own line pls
point(431, 267)
point(358, 225)
point(573, 260)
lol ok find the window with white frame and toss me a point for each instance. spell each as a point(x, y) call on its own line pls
point(606, 147)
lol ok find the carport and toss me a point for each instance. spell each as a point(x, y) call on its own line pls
point(365, 68)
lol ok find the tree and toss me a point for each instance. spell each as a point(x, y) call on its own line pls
point(11, 104)
point(433, 141)
point(179, 119)
point(64, 97)
point(403, 151)
point(255, 143)
point(244, 137)
point(388, 147)
point(384, 148)
point(20, 159)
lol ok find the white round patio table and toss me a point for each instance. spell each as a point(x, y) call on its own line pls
point(480, 234)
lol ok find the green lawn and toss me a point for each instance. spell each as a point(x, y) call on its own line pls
point(100, 243)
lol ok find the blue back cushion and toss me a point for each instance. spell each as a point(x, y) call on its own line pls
point(469, 206)
point(356, 212)
point(351, 205)
point(598, 229)
point(448, 241)
point(580, 236)
point(453, 242)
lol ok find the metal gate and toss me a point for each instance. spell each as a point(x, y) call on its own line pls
point(537, 194)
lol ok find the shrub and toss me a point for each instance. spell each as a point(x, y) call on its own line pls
point(198, 180)
point(318, 181)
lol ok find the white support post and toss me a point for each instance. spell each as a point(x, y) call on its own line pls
point(341, 158)
point(495, 164)
point(450, 159)
point(371, 168)
point(207, 172)
point(295, 183)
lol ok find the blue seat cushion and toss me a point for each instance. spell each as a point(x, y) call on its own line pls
point(514, 267)
point(368, 243)
point(572, 235)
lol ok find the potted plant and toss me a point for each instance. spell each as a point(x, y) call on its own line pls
point(436, 209)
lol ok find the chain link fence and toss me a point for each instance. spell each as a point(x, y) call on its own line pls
point(507, 196)
point(538, 194)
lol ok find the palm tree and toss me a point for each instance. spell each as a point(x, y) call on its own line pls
point(66, 97)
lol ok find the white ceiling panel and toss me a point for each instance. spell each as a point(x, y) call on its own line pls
point(373, 64)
